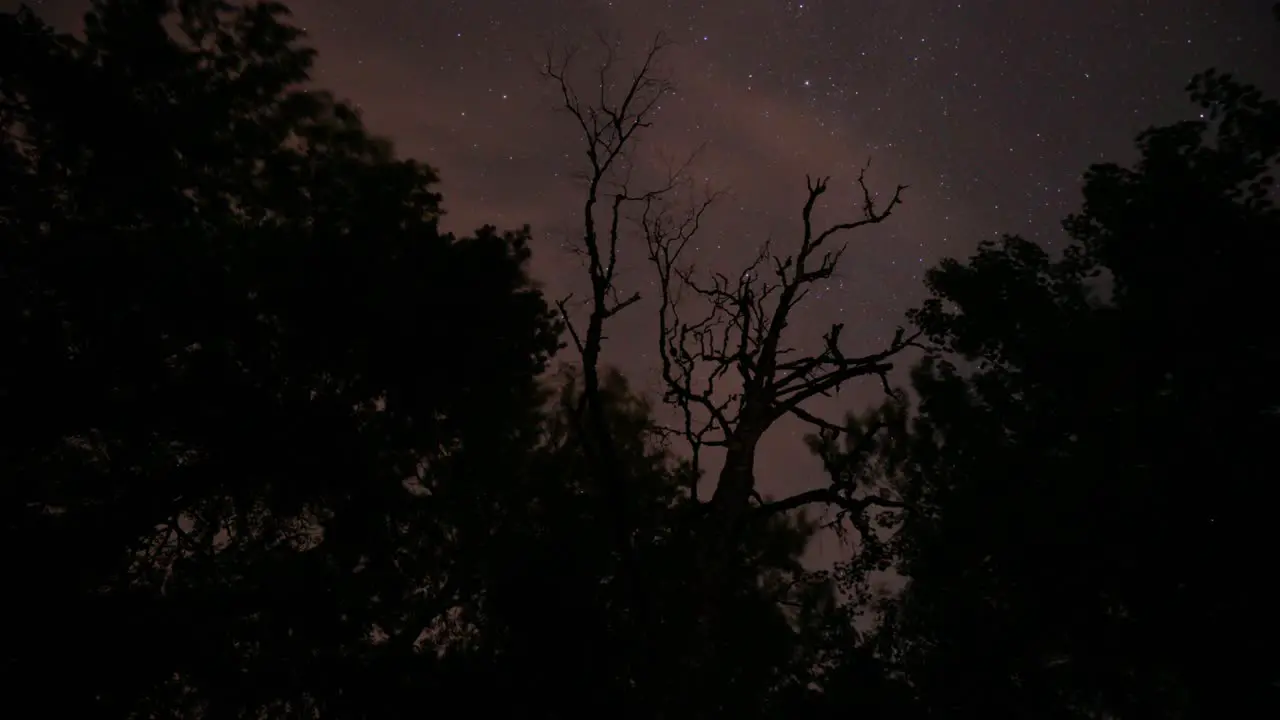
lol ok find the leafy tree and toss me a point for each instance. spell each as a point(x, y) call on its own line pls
point(1089, 465)
point(254, 400)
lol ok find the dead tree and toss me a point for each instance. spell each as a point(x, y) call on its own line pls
point(610, 120)
point(740, 337)
point(739, 340)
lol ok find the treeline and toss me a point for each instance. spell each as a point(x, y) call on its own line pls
point(275, 446)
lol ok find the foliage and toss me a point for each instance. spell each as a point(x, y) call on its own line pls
point(234, 332)
point(1089, 536)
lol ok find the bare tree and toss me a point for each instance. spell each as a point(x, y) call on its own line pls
point(609, 121)
point(739, 339)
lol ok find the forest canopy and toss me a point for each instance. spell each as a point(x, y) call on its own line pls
point(278, 446)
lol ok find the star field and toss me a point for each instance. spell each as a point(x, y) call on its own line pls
point(989, 109)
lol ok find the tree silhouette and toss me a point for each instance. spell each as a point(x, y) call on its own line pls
point(277, 447)
point(556, 584)
point(248, 431)
point(261, 466)
point(1089, 467)
point(741, 335)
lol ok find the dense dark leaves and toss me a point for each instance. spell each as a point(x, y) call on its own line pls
point(1091, 529)
point(234, 334)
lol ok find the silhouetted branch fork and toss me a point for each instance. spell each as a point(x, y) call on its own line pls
point(700, 434)
point(563, 306)
point(819, 374)
point(830, 496)
point(607, 127)
point(855, 510)
point(680, 392)
point(743, 327)
point(620, 305)
point(817, 421)
point(794, 272)
point(787, 399)
point(871, 216)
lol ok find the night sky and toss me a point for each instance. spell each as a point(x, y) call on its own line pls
point(989, 109)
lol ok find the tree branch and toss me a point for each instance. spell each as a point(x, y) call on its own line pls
point(740, 336)
point(829, 496)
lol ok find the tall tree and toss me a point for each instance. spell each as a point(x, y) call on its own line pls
point(247, 426)
point(737, 347)
point(555, 585)
point(1090, 462)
